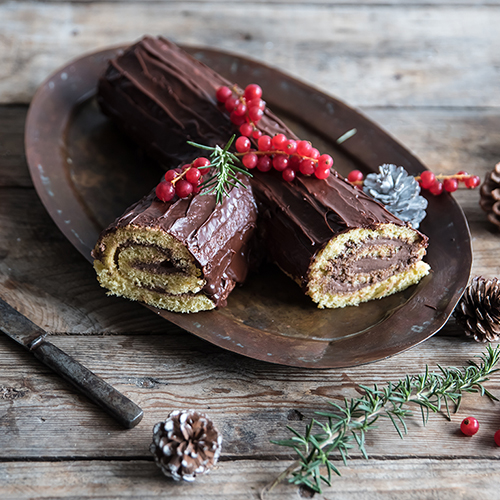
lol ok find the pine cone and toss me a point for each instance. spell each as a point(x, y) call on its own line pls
point(478, 311)
point(398, 192)
point(490, 195)
point(185, 445)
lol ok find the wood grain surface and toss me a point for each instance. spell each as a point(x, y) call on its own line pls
point(427, 73)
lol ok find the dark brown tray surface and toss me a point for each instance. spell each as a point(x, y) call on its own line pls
point(87, 174)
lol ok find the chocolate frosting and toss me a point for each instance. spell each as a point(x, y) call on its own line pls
point(217, 235)
point(162, 97)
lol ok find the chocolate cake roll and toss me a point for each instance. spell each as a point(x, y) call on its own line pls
point(341, 246)
point(184, 256)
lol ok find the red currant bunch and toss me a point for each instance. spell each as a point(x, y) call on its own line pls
point(183, 181)
point(436, 184)
point(497, 438)
point(469, 426)
point(245, 109)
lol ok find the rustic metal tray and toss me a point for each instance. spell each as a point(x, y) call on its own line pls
point(86, 174)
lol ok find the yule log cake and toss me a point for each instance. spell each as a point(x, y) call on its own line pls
point(341, 246)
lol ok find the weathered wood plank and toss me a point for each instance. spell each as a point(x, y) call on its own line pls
point(251, 402)
point(243, 479)
point(366, 54)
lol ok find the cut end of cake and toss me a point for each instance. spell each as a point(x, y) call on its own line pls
point(365, 264)
point(150, 266)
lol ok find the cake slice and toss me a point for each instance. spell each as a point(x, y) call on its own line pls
point(341, 246)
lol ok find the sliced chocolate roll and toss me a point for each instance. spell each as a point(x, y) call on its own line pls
point(341, 246)
point(184, 256)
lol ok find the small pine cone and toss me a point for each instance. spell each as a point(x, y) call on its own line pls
point(490, 195)
point(478, 311)
point(185, 445)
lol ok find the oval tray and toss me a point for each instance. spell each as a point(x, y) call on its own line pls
point(87, 174)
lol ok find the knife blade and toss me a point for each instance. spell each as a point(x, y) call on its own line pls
point(32, 337)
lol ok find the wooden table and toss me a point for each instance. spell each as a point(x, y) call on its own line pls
point(427, 73)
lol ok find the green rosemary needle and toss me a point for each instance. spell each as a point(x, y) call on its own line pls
point(225, 166)
point(347, 423)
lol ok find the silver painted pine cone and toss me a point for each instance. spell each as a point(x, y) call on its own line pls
point(186, 445)
point(399, 192)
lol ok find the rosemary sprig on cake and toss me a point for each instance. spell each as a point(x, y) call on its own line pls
point(347, 423)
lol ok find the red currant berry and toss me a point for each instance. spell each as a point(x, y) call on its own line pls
point(201, 162)
point(427, 179)
point(325, 162)
point(307, 167)
point(223, 93)
point(242, 144)
point(193, 176)
point(314, 154)
point(231, 103)
point(462, 173)
point(196, 189)
point(183, 188)
point(469, 426)
point(355, 176)
point(165, 191)
point(437, 188)
point(250, 160)
point(472, 182)
point(238, 120)
point(246, 129)
point(290, 147)
point(288, 174)
point(497, 438)
point(240, 109)
point(256, 134)
point(280, 162)
point(304, 148)
point(252, 91)
point(294, 162)
point(186, 166)
point(170, 175)
point(264, 164)
point(264, 143)
point(450, 185)
point(322, 173)
point(256, 103)
point(279, 142)
point(255, 114)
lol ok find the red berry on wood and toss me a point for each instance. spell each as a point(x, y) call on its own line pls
point(463, 173)
point(256, 134)
point(201, 162)
point(437, 188)
point(223, 93)
point(322, 173)
point(450, 185)
point(240, 109)
point(264, 143)
point(279, 141)
point(304, 148)
point(255, 114)
point(427, 179)
point(170, 175)
point(497, 438)
point(256, 103)
point(250, 160)
point(290, 147)
point(307, 167)
point(231, 103)
point(472, 182)
point(324, 162)
point(165, 191)
point(314, 154)
point(252, 91)
point(288, 174)
point(183, 188)
point(246, 129)
point(294, 162)
point(355, 176)
point(469, 426)
point(280, 162)
point(193, 176)
point(242, 144)
point(264, 164)
point(238, 120)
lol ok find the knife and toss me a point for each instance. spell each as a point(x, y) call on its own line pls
point(29, 335)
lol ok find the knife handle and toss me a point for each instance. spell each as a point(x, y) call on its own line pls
point(113, 402)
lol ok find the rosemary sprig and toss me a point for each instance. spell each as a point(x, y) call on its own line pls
point(225, 166)
point(347, 423)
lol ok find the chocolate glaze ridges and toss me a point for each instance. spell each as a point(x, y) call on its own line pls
point(170, 96)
